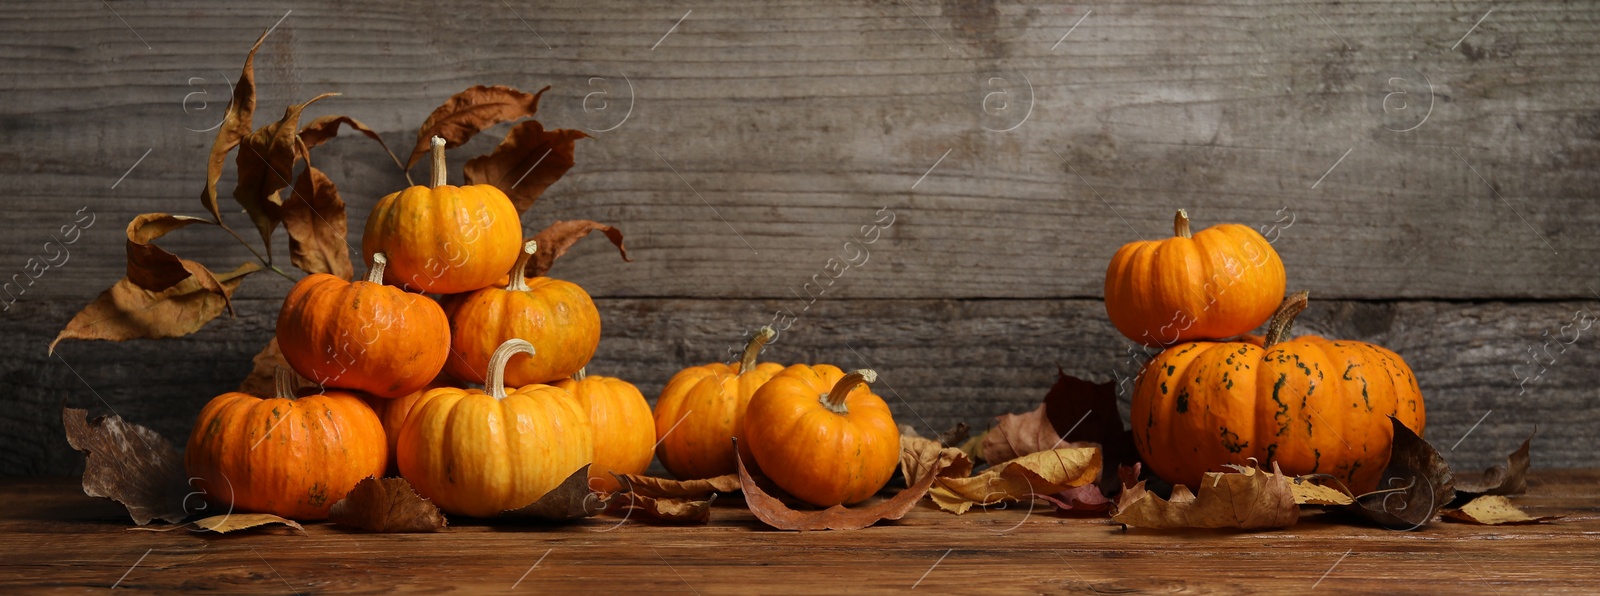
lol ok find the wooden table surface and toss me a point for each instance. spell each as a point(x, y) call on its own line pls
point(57, 539)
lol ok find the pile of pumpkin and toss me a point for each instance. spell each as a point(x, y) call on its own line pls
point(393, 369)
point(1214, 397)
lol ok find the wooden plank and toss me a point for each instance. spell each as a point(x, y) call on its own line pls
point(759, 140)
point(60, 540)
point(941, 362)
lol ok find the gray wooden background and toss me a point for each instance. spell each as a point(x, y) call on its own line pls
point(1428, 170)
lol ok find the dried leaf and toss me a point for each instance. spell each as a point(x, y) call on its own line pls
point(955, 436)
point(126, 311)
point(1075, 410)
point(1508, 479)
point(469, 112)
point(314, 217)
point(235, 127)
point(560, 236)
point(1320, 489)
point(230, 522)
point(770, 509)
point(1016, 435)
point(676, 509)
point(129, 464)
point(527, 162)
point(1415, 485)
point(1043, 473)
point(1493, 510)
point(572, 499)
point(387, 505)
point(262, 381)
point(668, 488)
point(1250, 499)
point(1086, 498)
point(266, 163)
point(153, 268)
point(920, 458)
point(322, 129)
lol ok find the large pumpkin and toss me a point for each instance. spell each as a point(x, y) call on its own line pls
point(556, 316)
point(444, 239)
point(289, 456)
point(702, 409)
point(624, 432)
point(480, 453)
point(1217, 283)
point(363, 335)
point(822, 435)
point(1311, 405)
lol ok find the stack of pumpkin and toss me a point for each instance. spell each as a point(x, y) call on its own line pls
point(393, 367)
point(1311, 405)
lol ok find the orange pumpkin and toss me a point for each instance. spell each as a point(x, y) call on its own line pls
point(702, 409)
point(363, 335)
point(1220, 282)
point(556, 316)
point(444, 239)
point(822, 435)
point(393, 412)
point(1311, 405)
point(288, 456)
point(624, 433)
point(479, 453)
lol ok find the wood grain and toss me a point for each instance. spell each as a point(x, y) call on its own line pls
point(59, 540)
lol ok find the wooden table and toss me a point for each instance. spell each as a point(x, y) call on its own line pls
point(57, 539)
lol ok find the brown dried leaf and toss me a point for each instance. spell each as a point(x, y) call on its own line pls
point(262, 381)
point(266, 163)
point(667, 488)
point(387, 505)
point(1250, 499)
point(771, 510)
point(322, 129)
point(527, 162)
point(469, 112)
point(1043, 473)
point(1016, 435)
point(1320, 489)
point(1086, 411)
point(314, 217)
point(129, 464)
point(1508, 479)
point(230, 522)
point(1087, 498)
point(675, 509)
point(126, 311)
point(920, 458)
point(1493, 510)
point(153, 268)
point(235, 127)
point(1416, 484)
point(560, 236)
point(572, 499)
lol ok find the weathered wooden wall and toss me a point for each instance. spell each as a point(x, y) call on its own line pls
point(1435, 187)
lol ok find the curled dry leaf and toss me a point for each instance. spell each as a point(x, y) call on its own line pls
point(526, 163)
point(322, 129)
point(262, 381)
point(1415, 485)
point(231, 522)
point(669, 488)
point(1320, 489)
point(921, 458)
point(572, 499)
point(127, 311)
point(560, 236)
point(772, 511)
point(1086, 498)
point(129, 464)
point(1493, 510)
point(1043, 473)
point(152, 267)
point(1076, 410)
point(670, 500)
point(469, 112)
point(388, 505)
point(266, 161)
point(314, 217)
point(1251, 499)
point(234, 128)
point(1507, 479)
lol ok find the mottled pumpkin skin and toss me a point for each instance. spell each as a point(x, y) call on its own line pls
point(556, 316)
point(700, 411)
point(478, 456)
point(362, 335)
point(289, 457)
point(624, 430)
point(1312, 405)
point(819, 456)
point(1224, 281)
point(444, 240)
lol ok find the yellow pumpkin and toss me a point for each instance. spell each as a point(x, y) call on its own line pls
point(702, 408)
point(624, 433)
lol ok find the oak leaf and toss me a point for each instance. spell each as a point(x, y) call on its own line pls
point(526, 163)
point(555, 240)
point(387, 505)
point(1250, 499)
point(314, 217)
point(129, 464)
point(127, 311)
point(471, 111)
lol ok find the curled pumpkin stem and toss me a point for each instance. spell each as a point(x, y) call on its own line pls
point(834, 400)
point(284, 381)
point(1180, 225)
point(519, 271)
point(1283, 320)
point(747, 360)
point(496, 387)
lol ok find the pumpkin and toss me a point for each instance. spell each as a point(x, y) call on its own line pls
point(363, 335)
point(1217, 283)
point(393, 412)
point(482, 452)
point(702, 409)
point(822, 435)
point(444, 239)
point(624, 432)
point(1311, 405)
point(289, 456)
point(556, 316)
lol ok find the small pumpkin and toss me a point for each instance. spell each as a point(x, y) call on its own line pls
point(702, 409)
point(289, 456)
point(556, 316)
point(482, 452)
point(393, 412)
point(1311, 405)
point(363, 335)
point(624, 432)
point(822, 435)
point(1216, 283)
point(444, 239)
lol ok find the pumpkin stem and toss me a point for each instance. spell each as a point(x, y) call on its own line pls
point(583, 373)
point(375, 270)
point(440, 176)
point(1180, 225)
point(1278, 329)
point(519, 281)
point(747, 361)
point(496, 387)
point(834, 400)
point(285, 381)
